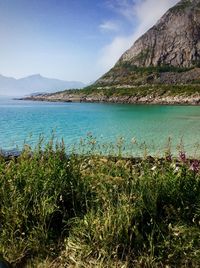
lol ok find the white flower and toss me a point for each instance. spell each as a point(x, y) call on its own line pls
point(176, 169)
point(153, 168)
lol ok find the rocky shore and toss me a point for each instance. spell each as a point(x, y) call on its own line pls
point(149, 99)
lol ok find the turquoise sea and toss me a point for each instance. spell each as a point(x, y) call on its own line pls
point(22, 122)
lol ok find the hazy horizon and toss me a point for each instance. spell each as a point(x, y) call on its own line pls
point(71, 40)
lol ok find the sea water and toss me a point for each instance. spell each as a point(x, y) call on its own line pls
point(23, 122)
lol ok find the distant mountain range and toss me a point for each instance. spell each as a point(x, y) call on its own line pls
point(34, 84)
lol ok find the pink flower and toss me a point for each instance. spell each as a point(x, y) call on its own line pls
point(182, 156)
point(195, 166)
point(169, 158)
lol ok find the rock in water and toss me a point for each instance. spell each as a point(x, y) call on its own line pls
point(173, 41)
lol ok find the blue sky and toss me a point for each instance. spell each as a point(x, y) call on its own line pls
point(71, 39)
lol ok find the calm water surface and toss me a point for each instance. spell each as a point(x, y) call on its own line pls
point(23, 121)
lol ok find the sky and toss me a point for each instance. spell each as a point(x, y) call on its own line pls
point(73, 40)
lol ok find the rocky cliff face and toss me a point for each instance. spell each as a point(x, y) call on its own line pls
point(174, 42)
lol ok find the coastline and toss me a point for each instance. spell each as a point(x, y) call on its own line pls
point(149, 99)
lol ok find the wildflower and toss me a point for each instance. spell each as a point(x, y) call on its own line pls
point(170, 226)
point(182, 156)
point(176, 233)
point(169, 157)
point(195, 166)
point(153, 168)
point(176, 169)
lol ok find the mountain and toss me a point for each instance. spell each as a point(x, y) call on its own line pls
point(169, 52)
point(34, 83)
point(6, 85)
point(162, 66)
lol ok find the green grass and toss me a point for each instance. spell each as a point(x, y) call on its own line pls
point(152, 69)
point(139, 91)
point(136, 82)
point(88, 210)
point(181, 6)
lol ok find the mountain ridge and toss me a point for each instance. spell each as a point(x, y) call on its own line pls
point(34, 83)
point(174, 41)
point(160, 49)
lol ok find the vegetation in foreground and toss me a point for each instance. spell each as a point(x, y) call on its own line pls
point(88, 210)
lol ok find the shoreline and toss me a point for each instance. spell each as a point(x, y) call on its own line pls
point(8, 156)
point(193, 100)
point(150, 158)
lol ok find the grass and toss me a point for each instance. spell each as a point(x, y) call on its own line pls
point(126, 80)
point(181, 6)
point(88, 210)
point(138, 91)
point(132, 74)
point(153, 69)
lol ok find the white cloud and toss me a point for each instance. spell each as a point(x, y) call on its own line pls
point(146, 12)
point(111, 53)
point(108, 26)
point(123, 7)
